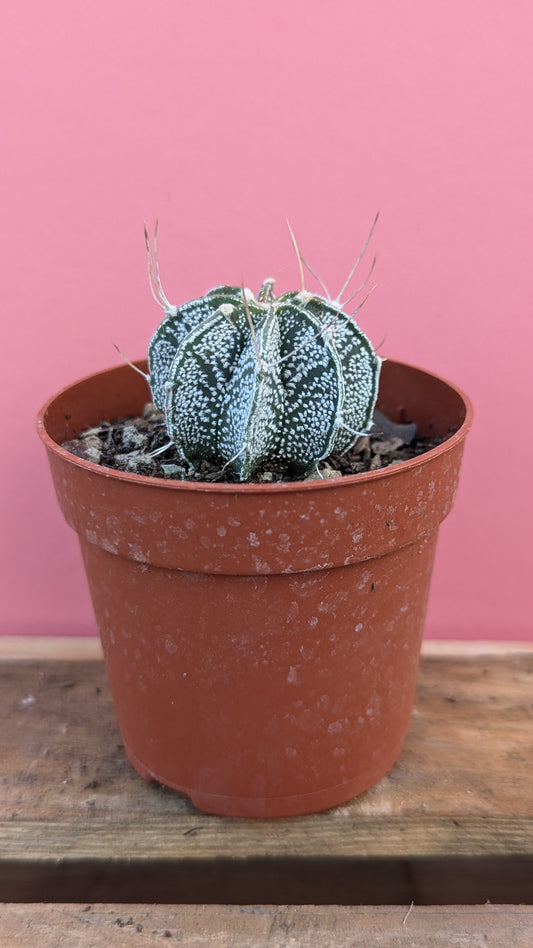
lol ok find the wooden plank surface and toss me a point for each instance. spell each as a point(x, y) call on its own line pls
point(75, 818)
point(238, 926)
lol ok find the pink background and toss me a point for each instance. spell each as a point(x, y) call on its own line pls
point(222, 118)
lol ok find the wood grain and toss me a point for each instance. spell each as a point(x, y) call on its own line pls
point(452, 822)
point(238, 926)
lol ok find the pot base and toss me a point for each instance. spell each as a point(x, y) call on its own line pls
point(272, 807)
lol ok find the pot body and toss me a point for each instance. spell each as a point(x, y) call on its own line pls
point(262, 641)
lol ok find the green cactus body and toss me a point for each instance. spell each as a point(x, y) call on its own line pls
point(247, 379)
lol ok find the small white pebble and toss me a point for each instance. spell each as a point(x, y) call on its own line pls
point(27, 701)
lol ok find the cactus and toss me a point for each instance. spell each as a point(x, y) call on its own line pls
point(245, 379)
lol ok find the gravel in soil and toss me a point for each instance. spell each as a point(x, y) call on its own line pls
point(141, 446)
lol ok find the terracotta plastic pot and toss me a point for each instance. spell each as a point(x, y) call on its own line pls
point(262, 641)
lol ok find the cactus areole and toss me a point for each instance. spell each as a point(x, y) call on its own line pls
point(243, 379)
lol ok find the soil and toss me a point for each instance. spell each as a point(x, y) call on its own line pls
point(141, 446)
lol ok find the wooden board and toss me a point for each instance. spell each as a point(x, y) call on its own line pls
point(47, 648)
point(239, 926)
point(452, 822)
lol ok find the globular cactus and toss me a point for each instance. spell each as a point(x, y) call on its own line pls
point(244, 379)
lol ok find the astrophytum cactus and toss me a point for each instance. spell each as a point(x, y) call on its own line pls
point(243, 379)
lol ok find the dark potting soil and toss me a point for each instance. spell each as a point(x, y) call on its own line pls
point(141, 446)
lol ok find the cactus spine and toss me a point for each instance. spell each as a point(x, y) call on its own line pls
point(245, 379)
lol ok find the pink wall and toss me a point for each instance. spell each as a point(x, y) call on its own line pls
point(224, 117)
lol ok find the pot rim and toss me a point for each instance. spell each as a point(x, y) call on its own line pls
point(279, 487)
